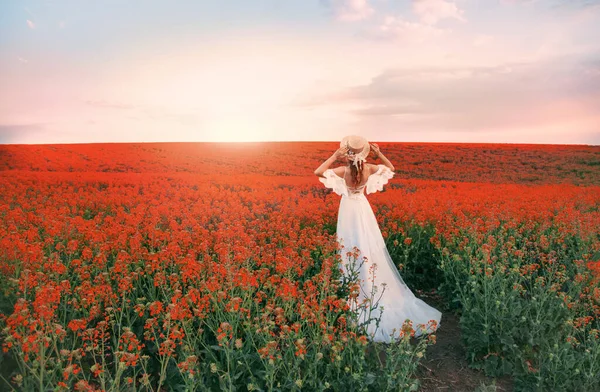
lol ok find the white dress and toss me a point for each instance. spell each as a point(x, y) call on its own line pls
point(358, 227)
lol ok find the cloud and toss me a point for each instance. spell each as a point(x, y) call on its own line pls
point(558, 5)
point(478, 97)
point(586, 8)
point(349, 10)
point(30, 24)
point(432, 11)
point(398, 29)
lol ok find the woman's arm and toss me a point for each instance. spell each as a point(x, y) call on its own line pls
point(325, 165)
point(380, 155)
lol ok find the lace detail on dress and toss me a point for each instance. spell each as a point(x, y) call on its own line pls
point(356, 190)
point(377, 180)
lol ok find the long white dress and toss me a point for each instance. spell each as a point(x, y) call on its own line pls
point(358, 227)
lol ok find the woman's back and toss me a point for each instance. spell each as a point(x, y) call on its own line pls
point(351, 184)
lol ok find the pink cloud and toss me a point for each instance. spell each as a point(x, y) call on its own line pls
point(432, 11)
point(509, 96)
point(350, 10)
point(396, 28)
point(30, 24)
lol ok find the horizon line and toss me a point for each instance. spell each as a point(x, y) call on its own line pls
point(297, 141)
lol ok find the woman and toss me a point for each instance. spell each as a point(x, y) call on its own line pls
point(357, 227)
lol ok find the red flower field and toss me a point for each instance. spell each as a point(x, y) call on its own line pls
point(207, 266)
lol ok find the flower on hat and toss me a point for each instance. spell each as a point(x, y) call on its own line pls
point(356, 142)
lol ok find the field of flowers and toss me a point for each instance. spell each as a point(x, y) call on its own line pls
point(192, 266)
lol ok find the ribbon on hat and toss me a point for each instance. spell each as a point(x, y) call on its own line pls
point(356, 158)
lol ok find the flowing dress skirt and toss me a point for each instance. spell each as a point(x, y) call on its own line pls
point(358, 227)
point(378, 277)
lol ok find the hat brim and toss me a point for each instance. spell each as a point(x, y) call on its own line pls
point(366, 147)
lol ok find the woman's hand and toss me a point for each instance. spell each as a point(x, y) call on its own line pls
point(341, 152)
point(380, 155)
point(375, 149)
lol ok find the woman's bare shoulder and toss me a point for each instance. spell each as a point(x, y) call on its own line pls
point(339, 171)
point(372, 168)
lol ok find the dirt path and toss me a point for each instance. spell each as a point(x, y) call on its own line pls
point(445, 368)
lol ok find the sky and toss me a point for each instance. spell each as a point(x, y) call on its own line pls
point(498, 71)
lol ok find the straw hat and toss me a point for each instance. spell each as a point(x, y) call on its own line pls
point(356, 142)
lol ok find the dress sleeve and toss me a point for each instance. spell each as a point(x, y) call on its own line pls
point(334, 182)
point(377, 180)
